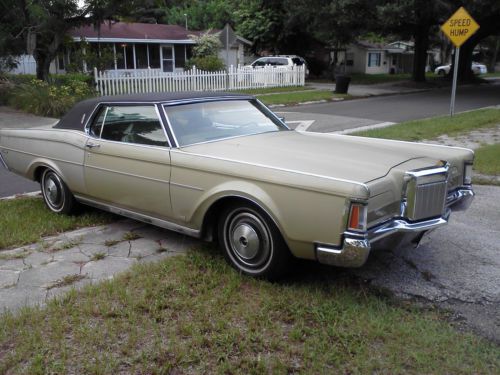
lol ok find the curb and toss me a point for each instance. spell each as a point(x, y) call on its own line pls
point(23, 195)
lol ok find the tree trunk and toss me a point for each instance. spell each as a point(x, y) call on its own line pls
point(420, 56)
point(465, 62)
point(43, 61)
point(493, 61)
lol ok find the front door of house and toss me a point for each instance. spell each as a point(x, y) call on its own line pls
point(167, 58)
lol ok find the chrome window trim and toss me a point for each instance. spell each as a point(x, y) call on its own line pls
point(169, 103)
point(129, 144)
point(108, 105)
point(170, 126)
point(163, 105)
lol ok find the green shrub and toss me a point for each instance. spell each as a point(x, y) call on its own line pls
point(18, 79)
point(206, 63)
point(6, 88)
point(68, 78)
point(46, 99)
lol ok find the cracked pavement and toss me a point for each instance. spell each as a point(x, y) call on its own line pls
point(30, 275)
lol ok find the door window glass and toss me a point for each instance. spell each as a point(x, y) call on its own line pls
point(133, 124)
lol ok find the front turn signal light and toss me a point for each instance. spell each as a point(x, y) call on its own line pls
point(358, 217)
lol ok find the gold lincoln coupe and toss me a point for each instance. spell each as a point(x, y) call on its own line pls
point(224, 167)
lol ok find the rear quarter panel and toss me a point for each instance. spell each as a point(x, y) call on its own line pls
point(25, 150)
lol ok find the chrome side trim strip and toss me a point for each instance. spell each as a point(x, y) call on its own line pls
point(128, 174)
point(42, 156)
point(273, 168)
point(140, 217)
point(186, 186)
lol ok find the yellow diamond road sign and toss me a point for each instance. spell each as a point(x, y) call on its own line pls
point(459, 27)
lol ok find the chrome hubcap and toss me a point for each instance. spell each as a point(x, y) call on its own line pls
point(52, 191)
point(249, 240)
point(246, 241)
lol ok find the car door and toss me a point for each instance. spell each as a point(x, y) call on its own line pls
point(127, 159)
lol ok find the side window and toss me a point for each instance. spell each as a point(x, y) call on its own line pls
point(133, 124)
point(259, 62)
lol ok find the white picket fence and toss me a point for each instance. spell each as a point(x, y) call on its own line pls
point(235, 78)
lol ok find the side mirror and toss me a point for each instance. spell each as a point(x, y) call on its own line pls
point(282, 119)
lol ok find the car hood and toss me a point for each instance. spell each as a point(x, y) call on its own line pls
point(334, 156)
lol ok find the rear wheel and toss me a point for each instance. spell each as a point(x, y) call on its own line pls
point(252, 243)
point(56, 194)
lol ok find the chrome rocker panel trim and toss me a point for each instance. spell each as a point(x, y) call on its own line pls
point(140, 217)
point(356, 247)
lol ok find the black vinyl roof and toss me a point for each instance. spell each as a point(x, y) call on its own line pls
point(77, 116)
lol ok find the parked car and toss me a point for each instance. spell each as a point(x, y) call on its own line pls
point(280, 61)
point(476, 69)
point(224, 167)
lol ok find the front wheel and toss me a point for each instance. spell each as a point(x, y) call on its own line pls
point(252, 243)
point(56, 194)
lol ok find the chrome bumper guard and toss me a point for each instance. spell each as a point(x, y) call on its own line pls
point(356, 246)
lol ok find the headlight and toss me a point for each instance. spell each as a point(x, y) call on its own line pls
point(358, 216)
point(467, 174)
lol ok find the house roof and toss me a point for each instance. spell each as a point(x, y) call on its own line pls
point(125, 31)
point(370, 45)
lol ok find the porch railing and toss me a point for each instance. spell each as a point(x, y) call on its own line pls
point(235, 78)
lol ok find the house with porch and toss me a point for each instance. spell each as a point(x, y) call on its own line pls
point(143, 46)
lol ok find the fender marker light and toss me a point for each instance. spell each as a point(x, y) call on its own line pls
point(357, 217)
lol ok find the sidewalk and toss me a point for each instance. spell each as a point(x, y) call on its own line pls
point(390, 88)
point(30, 275)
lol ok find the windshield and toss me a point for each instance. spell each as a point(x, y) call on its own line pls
point(214, 120)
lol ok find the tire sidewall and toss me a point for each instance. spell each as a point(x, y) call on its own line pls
point(66, 196)
point(274, 265)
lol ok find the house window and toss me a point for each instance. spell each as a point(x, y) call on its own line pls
point(154, 56)
point(374, 58)
point(167, 58)
point(349, 59)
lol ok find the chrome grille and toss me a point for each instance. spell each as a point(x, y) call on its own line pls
point(429, 200)
point(426, 193)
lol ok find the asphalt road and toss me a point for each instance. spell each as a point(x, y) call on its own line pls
point(335, 116)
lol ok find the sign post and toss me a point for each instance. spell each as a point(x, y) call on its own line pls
point(458, 28)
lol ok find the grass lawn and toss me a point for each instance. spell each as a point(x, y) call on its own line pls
point(193, 314)
point(487, 160)
point(24, 221)
point(434, 127)
point(300, 97)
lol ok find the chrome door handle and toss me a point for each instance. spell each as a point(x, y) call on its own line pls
point(92, 145)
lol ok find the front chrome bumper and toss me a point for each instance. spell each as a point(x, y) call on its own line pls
point(357, 246)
